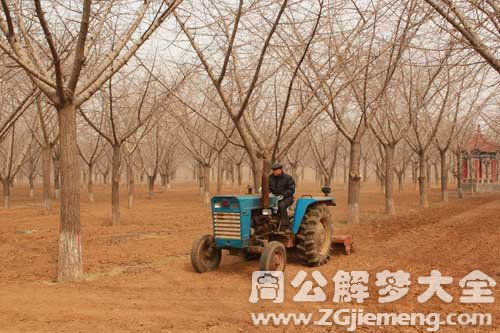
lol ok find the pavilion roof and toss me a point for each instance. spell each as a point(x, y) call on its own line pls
point(479, 142)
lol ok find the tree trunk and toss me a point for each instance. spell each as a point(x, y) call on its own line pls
point(389, 179)
point(232, 174)
point(206, 183)
point(6, 192)
point(422, 184)
point(240, 174)
point(131, 185)
point(381, 175)
point(115, 185)
point(151, 186)
point(413, 172)
point(345, 170)
point(257, 175)
point(428, 172)
point(70, 266)
point(169, 177)
point(444, 176)
point(57, 172)
point(46, 159)
point(219, 173)
point(163, 177)
point(354, 183)
point(451, 168)
point(326, 181)
point(365, 170)
point(31, 181)
point(400, 181)
point(201, 177)
point(90, 184)
point(436, 173)
point(266, 170)
point(459, 175)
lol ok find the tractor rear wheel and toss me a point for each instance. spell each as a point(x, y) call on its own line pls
point(315, 236)
point(273, 257)
point(205, 256)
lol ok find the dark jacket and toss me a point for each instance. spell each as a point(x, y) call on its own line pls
point(282, 185)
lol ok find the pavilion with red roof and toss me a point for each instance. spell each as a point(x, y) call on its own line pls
point(480, 160)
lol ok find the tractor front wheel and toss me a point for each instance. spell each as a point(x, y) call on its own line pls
point(315, 236)
point(273, 257)
point(205, 256)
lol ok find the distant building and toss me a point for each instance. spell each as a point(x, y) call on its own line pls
point(480, 164)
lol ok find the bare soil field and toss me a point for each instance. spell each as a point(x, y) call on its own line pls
point(139, 277)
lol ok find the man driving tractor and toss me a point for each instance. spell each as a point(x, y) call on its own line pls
point(249, 225)
point(282, 184)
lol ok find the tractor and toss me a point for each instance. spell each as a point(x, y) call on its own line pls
point(249, 225)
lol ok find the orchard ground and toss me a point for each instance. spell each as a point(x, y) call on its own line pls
point(138, 276)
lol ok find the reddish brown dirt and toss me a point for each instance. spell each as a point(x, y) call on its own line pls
point(139, 278)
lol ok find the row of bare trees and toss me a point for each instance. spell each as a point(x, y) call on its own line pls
point(228, 83)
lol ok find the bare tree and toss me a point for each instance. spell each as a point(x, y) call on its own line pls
point(104, 165)
point(168, 165)
point(46, 134)
point(404, 155)
point(237, 155)
point(90, 151)
point(205, 135)
point(31, 166)
point(71, 70)
point(130, 148)
point(155, 151)
point(297, 157)
point(324, 152)
point(124, 116)
point(390, 126)
point(478, 22)
point(237, 97)
point(465, 95)
point(358, 71)
point(13, 153)
point(426, 94)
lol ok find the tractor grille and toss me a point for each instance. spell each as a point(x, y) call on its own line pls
point(227, 225)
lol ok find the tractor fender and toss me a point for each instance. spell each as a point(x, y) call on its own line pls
point(303, 204)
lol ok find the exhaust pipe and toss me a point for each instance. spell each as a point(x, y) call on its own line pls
point(266, 166)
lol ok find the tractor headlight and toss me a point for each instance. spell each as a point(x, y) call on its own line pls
point(217, 205)
point(267, 212)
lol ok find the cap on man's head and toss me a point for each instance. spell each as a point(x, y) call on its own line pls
point(276, 166)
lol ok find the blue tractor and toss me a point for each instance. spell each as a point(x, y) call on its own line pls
point(245, 226)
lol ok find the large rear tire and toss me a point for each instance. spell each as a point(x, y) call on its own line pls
point(205, 256)
point(315, 236)
point(273, 257)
